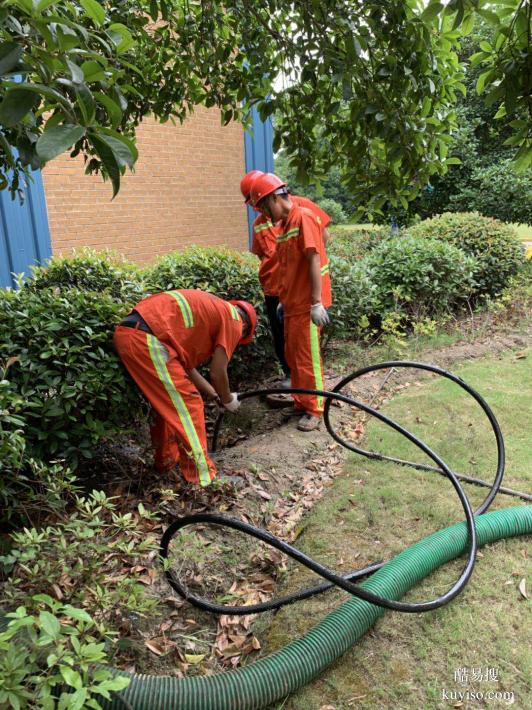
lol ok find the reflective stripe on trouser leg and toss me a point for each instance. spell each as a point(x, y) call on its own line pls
point(302, 350)
point(316, 361)
point(158, 355)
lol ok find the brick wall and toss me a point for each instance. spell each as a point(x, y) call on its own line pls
point(185, 190)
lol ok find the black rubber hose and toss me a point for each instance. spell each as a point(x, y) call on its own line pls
point(499, 473)
point(343, 582)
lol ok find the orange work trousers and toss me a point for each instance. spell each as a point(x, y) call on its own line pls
point(303, 355)
point(178, 432)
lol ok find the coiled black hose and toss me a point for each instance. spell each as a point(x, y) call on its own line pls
point(346, 582)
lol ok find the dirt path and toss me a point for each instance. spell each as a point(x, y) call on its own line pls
point(270, 479)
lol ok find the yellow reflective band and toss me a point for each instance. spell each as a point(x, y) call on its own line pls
point(186, 310)
point(325, 269)
point(288, 235)
point(316, 361)
point(234, 312)
point(158, 357)
point(261, 227)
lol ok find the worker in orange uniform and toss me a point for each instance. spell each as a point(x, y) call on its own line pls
point(304, 289)
point(264, 245)
point(161, 343)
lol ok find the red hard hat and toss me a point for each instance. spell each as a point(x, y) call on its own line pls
point(252, 315)
point(263, 186)
point(247, 181)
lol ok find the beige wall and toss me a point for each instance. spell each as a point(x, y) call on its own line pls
point(185, 190)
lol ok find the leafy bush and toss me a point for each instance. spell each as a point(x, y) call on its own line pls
point(82, 560)
point(227, 274)
point(47, 659)
point(12, 441)
point(34, 489)
point(334, 210)
point(355, 298)
point(420, 276)
point(75, 392)
point(496, 248)
point(353, 241)
point(88, 270)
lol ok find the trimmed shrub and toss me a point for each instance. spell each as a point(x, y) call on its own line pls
point(495, 246)
point(89, 270)
point(420, 276)
point(353, 241)
point(229, 275)
point(334, 210)
point(73, 388)
point(355, 298)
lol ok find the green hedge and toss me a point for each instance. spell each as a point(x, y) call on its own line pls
point(354, 241)
point(74, 390)
point(356, 298)
point(420, 277)
point(88, 270)
point(495, 246)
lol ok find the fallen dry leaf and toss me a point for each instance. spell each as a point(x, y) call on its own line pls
point(193, 658)
point(156, 647)
point(522, 588)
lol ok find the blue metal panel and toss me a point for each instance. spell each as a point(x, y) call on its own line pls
point(24, 232)
point(259, 152)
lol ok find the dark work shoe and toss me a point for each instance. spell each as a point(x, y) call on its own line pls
point(308, 423)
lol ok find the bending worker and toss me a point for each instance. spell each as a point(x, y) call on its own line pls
point(304, 289)
point(161, 343)
point(264, 245)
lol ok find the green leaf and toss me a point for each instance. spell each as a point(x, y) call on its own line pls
point(431, 12)
point(427, 104)
point(106, 155)
point(71, 677)
point(113, 109)
point(75, 72)
point(122, 138)
point(121, 37)
point(45, 4)
point(468, 24)
point(50, 624)
point(485, 46)
point(94, 10)
point(10, 53)
point(56, 140)
point(78, 614)
point(16, 104)
point(491, 17)
point(93, 71)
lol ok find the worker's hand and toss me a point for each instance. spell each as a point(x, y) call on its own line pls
point(212, 394)
point(319, 315)
point(280, 313)
point(233, 404)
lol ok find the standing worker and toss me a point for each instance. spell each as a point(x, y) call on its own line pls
point(161, 343)
point(264, 245)
point(304, 289)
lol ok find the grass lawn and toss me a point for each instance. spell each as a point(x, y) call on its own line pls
point(376, 509)
point(524, 232)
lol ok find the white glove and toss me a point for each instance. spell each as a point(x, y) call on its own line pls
point(319, 315)
point(233, 404)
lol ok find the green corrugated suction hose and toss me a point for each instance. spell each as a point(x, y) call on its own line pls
point(274, 677)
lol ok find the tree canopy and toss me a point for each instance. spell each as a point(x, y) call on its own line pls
point(376, 81)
